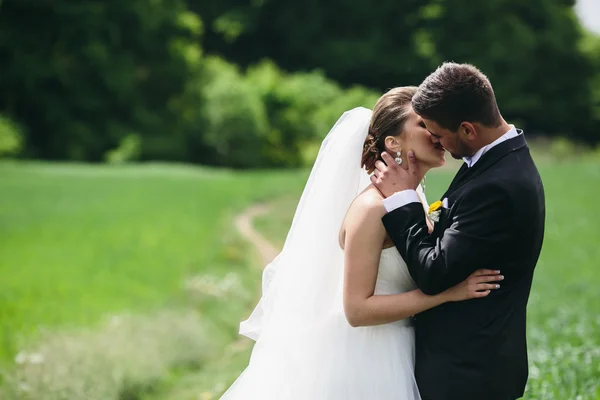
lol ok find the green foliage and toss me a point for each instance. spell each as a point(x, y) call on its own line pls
point(82, 75)
point(292, 102)
point(590, 45)
point(128, 150)
point(526, 48)
point(302, 108)
point(121, 83)
point(355, 96)
point(236, 119)
point(266, 117)
point(11, 137)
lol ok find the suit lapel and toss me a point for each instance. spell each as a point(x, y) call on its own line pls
point(457, 178)
point(486, 161)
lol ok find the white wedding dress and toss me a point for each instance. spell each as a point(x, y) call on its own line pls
point(305, 349)
point(337, 361)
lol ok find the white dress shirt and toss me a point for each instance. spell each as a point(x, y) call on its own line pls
point(405, 197)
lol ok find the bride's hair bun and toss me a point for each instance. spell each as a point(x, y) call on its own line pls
point(370, 153)
point(389, 115)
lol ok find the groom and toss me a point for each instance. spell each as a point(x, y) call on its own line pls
point(492, 217)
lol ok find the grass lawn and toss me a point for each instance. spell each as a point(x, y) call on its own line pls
point(79, 243)
point(82, 243)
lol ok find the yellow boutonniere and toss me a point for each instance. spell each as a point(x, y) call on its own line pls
point(435, 206)
point(435, 210)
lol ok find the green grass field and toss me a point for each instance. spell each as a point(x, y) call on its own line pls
point(81, 243)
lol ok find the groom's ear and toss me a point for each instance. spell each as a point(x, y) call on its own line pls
point(468, 130)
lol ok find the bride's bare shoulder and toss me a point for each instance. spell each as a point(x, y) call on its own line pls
point(367, 207)
point(368, 203)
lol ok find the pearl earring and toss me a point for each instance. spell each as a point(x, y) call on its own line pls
point(398, 158)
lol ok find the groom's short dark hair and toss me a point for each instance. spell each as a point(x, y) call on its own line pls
point(455, 93)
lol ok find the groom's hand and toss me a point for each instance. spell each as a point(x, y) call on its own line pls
point(390, 178)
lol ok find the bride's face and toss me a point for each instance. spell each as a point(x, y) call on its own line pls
point(417, 138)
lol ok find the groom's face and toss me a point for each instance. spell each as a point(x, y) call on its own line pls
point(451, 141)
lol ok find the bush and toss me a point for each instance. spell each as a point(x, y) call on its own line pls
point(235, 117)
point(325, 117)
point(525, 53)
point(93, 72)
point(292, 102)
point(302, 108)
point(356, 96)
point(268, 118)
point(11, 137)
point(128, 150)
point(590, 46)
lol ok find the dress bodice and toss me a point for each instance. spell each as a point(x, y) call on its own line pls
point(393, 276)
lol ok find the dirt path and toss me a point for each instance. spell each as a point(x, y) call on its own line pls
point(266, 251)
point(221, 371)
point(243, 224)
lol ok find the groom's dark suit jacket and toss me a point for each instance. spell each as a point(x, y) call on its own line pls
point(476, 349)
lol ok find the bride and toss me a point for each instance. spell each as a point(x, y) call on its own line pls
point(334, 320)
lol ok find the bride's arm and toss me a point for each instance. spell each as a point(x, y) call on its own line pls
point(364, 238)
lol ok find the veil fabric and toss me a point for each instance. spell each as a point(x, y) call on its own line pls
point(305, 348)
point(301, 286)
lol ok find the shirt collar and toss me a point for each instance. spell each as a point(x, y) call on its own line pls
point(475, 157)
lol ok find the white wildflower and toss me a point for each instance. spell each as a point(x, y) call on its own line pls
point(36, 358)
point(23, 387)
point(21, 358)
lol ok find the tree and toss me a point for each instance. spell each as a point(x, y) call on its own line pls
point(355, 42)
point(530, 50)
point(81, 76)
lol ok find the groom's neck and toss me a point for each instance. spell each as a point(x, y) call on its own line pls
point(490, 135)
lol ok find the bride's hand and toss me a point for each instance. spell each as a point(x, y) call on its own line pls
point(479, 284)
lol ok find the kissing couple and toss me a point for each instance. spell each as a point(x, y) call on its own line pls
point(378, 295)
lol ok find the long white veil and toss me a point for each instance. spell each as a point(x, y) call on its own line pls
point(305, 348)
point(302, 287)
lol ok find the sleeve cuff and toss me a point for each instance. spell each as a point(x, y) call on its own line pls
point(400, 199)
